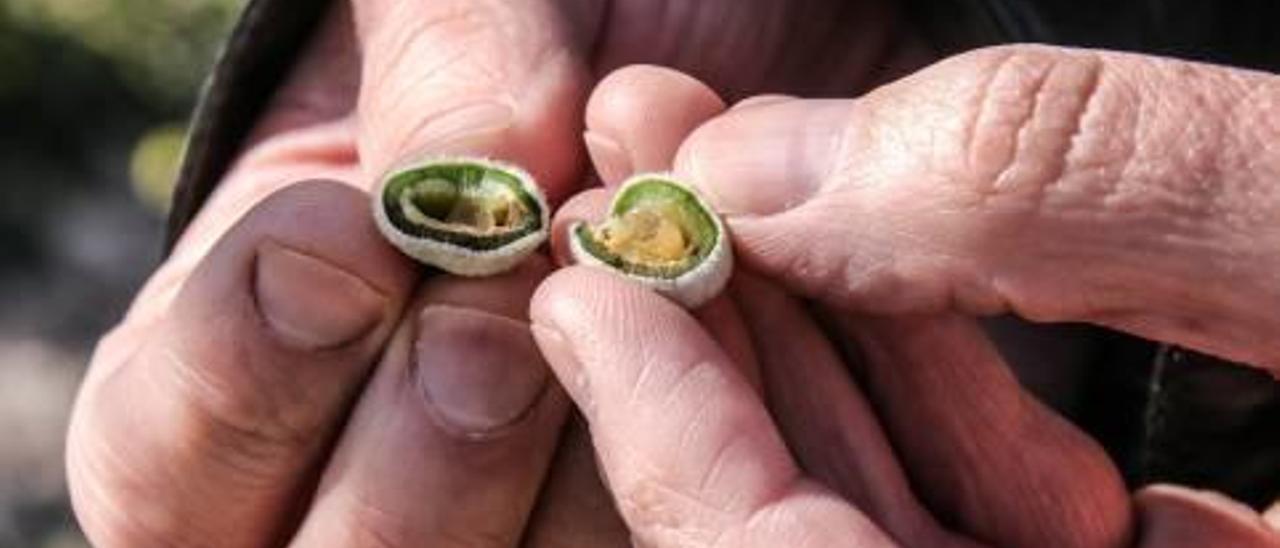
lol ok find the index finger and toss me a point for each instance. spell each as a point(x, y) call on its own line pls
point(500, 79)
point(1062, 185)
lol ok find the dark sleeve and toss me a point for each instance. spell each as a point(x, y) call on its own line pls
point(257, 57)
point(1239, 33)
point(1165, 415)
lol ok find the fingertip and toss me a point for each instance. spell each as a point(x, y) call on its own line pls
point(612, 162)
point(630, 94)
point(604, 312)
point(638, 115)
point(761, 100)
point(766, 158)
point(546, 299)
point(309, 260)
point(681, 435)
point(587, 303)
point(515, 95)
point(561, 299)
point(589, 207)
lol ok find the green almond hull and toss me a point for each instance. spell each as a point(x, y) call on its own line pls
point(463, 174)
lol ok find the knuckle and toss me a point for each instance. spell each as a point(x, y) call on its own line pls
point(1030, 119)
point(369, 522)
point(102, 485)
point(1163, 145)
point(239, 410)
point(1255, 121)
point(104, 526)
point(1175, 172)
point(138, 479)
point(661, 515)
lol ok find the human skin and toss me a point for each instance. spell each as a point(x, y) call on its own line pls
point(286, 377)
point(260, 389)
point(935, 442)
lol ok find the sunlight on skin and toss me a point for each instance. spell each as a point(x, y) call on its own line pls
point(351, 110)
point(172, 424)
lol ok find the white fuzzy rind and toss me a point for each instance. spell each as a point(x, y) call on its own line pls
point(692, 288)
point(454, 258)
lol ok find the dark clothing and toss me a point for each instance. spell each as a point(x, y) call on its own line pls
point(1165, 415)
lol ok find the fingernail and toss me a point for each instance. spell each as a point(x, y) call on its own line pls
point(612, 162)
point(310, 303)
point(480, 372)
point(1272, 516)
point(560, 355)
point(760, 100)
point(767, 159)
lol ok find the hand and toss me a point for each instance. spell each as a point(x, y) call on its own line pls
point(977, 186)
point(286, 377)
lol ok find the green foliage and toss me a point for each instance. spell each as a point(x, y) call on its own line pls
point(92, 98)
point(153, 166)
point(161, 48)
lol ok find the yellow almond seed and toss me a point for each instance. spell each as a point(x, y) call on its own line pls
point(647, 236)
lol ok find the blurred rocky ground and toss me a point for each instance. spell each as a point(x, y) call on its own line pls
point(93, 95)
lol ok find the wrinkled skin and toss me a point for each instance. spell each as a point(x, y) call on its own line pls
point(286, 377)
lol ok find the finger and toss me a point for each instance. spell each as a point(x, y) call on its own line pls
point(687, 446)
point(638, 116)
point(761, 100)
point(237, 392)
point(450, 441)
point(992, 460)
point(983, 182)
point(588, 206)
point(574, 479)
point(574, 509)
point(824, 417)
point(719, 316)
point(1054, 362)
point(305, 133)
point(636, 119)
point(1176, 517)
point(627, 132)
point(495, 78)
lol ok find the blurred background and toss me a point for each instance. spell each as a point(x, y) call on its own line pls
point(94, 97)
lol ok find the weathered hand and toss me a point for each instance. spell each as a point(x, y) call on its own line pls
point(1051, 183)
point(285, 378)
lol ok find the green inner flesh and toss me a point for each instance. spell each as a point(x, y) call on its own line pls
point(466, 204)
point(656, 229)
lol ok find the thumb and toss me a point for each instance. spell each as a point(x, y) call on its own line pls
point(690, 452)
point(500, 79)
point(985, 183)
point(1177, 517)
